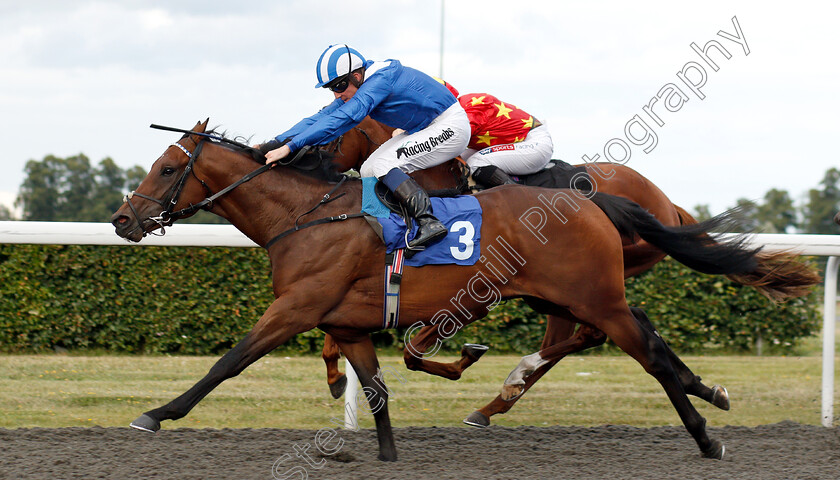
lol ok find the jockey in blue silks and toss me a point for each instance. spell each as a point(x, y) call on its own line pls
point(433, 126)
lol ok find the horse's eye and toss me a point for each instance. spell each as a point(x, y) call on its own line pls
point(167, 171)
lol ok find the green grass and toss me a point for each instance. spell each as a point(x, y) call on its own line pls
point(282, 392)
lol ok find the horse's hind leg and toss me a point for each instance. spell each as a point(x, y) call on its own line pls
point(415, 359)
point(652, 354)
point(560, 329)
point(361, 354)
point(585, 337)
point(716, 395)
point(557, 330)
point(336, 380)
point(417, 351)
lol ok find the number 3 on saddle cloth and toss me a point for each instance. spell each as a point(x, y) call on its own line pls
point(461, 246)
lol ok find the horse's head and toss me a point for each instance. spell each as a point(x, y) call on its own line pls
point(173, 189)
point(166, 193)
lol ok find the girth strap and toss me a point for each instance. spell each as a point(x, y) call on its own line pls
point(394, 263)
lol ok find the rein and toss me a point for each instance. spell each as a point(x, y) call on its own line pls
point(367, 135)
point(335, 145)
point(167, 217)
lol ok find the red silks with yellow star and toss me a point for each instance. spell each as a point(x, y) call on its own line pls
point(494, 122)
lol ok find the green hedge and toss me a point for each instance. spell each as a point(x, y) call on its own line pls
point(130, 299)
point(203, 300)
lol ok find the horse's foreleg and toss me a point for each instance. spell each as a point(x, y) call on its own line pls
point(270, 331)
point(362, 356)
point(417, 351)
point(336, 380)
point(716, 395)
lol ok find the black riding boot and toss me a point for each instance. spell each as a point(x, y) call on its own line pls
point(417, 204)
point(491, 176)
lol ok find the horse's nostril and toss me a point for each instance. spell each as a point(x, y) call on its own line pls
point(119, 220)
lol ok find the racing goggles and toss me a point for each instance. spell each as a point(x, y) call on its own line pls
point(339, 85)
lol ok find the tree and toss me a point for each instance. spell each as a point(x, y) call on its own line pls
point(107, 193)
point(818, 213)
point(134, 176)
point(747, 213)
point(39, 193)
point(701, 212)
point(5, 213)
point(71, 190)
point(777, 213)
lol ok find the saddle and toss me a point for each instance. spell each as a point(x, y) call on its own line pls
point(559, 175)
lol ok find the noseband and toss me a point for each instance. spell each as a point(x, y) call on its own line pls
point(167, 217)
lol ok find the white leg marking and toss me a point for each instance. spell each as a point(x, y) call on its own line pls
point(526, 367)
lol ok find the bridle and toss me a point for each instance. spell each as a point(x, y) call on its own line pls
point(168, 215)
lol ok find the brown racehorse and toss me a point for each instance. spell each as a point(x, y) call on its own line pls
point(353, 148)
point(330, 277)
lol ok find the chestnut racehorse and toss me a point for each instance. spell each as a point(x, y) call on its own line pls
point(330, 277)
point(354, 147)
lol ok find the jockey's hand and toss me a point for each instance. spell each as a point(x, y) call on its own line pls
point(397, 131)
point(277, 154)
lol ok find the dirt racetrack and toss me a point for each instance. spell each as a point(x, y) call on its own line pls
point(780, 451)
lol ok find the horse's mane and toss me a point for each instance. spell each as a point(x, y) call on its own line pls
point(315, 163)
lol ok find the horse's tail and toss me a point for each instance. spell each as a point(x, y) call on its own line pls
point(779, 276)
point(776, 275)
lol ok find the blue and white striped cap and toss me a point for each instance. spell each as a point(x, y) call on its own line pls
point(337, 61)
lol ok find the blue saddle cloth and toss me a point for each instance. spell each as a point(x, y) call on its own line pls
point(461, 215)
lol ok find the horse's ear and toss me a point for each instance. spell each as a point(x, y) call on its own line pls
point(200, 126)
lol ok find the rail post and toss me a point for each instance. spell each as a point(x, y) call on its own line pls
point(829, 333)
point(351, 408)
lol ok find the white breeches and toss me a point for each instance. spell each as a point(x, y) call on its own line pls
point(445, 138)
point(523, 158)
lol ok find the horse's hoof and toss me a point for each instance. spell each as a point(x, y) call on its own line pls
point(512, 392)
point(720, 397)
point(337, 389)
point(474, 350)
point(477, 419)
point(387, 456)
point(715, 451)
point(146, 423)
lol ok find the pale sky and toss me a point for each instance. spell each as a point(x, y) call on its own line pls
point(90, 76)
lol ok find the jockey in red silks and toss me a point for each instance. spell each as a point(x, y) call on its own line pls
point(505, 140)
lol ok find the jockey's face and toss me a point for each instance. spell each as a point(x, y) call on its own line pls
point(351, 89)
